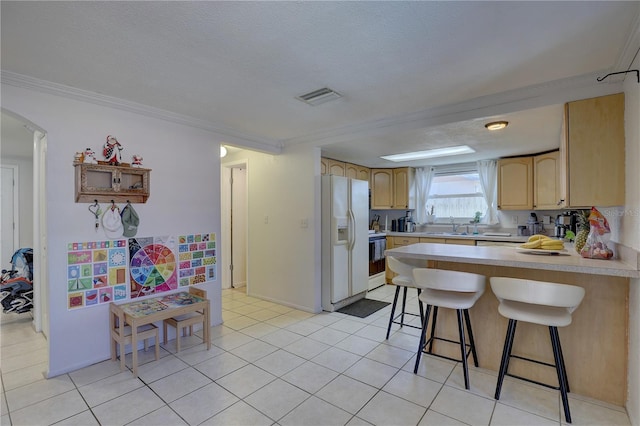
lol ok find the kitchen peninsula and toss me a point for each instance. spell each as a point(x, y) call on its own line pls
point(595, 345)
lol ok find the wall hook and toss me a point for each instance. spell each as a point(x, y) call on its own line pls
point(621, 72)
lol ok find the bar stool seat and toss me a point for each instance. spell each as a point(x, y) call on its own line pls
point(536, 302)
point(403, 280)
point(451, 290)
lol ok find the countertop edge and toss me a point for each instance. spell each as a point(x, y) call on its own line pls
point(615, 268)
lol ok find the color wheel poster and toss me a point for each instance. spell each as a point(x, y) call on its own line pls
point(152, 265)
point(197, 257)
point(96, 273)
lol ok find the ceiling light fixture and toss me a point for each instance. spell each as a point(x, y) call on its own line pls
point(223, 151)
point(438, 152)
point(496, 125)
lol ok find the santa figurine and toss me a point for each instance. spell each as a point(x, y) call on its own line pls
point(112, 150)
point(137, 161)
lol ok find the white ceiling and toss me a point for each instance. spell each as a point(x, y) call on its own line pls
point(414, 75)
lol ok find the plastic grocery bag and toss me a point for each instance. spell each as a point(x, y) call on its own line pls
point(599, 234)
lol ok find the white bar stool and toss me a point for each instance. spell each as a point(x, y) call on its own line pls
point(452, 290)
point(536, 302)
point(403, 280)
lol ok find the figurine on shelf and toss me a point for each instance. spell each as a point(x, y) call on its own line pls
point(89, 157)
point(136, 160)
point(112, 150)
point(78, 157)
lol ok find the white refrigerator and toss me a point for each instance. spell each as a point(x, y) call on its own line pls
point(345, 241)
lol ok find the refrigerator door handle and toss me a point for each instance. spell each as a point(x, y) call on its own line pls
point(352, 229)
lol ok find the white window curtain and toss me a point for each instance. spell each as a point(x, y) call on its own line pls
point(424, 176)
point(488, 173)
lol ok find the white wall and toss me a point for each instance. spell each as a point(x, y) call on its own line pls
point(185, 198)
point(630, 234)
point(284, 257)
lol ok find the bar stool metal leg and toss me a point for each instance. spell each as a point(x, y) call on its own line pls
point(506, 353)
point(472, 343)
point(562, 377)
point(404, 305)
point(420, 306)
point(433, 329)
point(423, 334)
point(393, 310)
point(564, 368)
point(463, 348)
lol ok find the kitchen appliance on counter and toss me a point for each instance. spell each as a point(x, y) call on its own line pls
point(567, 221)
point(405, 223)
point(560, 228)
point(409, 224)
point(534, 225)
point(345, 241)
point(401, 224)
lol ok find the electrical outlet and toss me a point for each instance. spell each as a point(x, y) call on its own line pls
point(266, 219)
point(304, 223)
point(514, 220)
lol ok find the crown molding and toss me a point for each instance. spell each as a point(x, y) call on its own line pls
point(539, 95)
point(223, 134)
point(631, 47)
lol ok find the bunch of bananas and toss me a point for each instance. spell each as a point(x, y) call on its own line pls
point(543, 242)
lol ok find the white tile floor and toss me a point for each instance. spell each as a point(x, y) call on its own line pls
point(270, 364)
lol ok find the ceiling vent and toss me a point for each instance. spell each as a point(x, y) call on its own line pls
point(319, 96)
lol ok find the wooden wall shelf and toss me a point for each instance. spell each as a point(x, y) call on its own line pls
point(104, 183)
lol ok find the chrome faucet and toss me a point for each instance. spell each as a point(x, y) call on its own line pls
point(454, 225)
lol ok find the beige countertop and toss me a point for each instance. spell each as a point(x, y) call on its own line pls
point(569, 261)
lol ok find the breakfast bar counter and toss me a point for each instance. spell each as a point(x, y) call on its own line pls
point(566, 261)
point(595, 345)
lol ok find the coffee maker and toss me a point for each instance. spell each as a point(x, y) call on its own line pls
point(567, 221)
point(409, 224)
point(534, 225)
point(401, 224)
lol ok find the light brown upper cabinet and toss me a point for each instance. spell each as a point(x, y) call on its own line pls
point(351, 171)
point(547, 194)
point(324, 165)
point(404, 188)
point(381, 189)
point(329, 166)
point(393, 188)
point(336, 168)
point(355, 171)
point(364, 173)
point(594, 151)
point(515, 183)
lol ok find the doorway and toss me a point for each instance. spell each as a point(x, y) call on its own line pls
point(24, 151)
point(234, 225)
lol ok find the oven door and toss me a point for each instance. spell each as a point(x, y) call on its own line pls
point(377, 246)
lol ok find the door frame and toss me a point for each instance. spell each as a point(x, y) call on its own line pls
point(40, 268)
point(225, 205)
